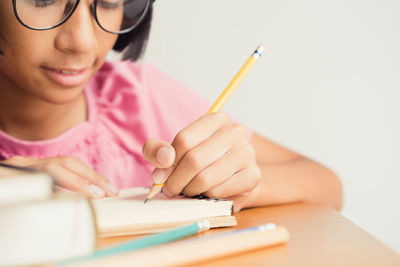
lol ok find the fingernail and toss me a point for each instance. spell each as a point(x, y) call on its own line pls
point(96, 191)
point(164, 156)
point(158, 176)
point(167, 194)
point(112, 188)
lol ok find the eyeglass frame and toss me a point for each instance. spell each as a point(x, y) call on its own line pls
point(93, 12)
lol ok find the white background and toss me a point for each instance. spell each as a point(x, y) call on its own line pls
point(327, 86)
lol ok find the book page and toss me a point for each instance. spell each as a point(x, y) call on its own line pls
point(129, 209)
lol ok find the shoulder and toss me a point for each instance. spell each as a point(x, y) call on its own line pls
point(116, 77)
point(123, 69)
point(126, 77)
point(130, 72)
point(132, 94)
point(147, 84)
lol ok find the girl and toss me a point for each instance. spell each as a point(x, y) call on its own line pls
point(98, 126)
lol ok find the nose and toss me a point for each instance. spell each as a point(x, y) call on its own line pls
point(78, 33)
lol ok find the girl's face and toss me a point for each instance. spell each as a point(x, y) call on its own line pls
point(52, 65)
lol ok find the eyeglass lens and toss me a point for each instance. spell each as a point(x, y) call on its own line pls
point(112, 15)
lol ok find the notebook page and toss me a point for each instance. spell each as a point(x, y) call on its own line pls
point(129, 209)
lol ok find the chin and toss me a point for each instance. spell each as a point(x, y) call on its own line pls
point(63, 96)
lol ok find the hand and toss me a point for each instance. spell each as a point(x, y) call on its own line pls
point(212, 156)
point(69, 173)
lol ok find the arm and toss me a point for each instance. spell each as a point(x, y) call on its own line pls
point(288, 177)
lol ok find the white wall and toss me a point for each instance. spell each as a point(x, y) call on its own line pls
point(328, 85)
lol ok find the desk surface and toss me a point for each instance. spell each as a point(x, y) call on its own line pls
point(319, 236)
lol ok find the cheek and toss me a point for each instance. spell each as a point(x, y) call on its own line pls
point(16, 71)
point(6, 15)
point(14, 38)
point(21, 44)
point(105, 43)
point(23, 54)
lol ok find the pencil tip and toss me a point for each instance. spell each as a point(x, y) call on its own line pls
point(146, 200)
point(261, 48)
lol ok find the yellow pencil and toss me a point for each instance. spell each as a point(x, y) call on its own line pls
point(219, 103)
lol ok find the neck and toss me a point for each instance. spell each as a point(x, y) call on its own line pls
point(31, 119)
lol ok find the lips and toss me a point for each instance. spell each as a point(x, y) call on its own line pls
point(67, 77)
point(68, 72)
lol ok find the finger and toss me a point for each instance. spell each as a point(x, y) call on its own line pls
point(218, 172)
point(200, 157)
point(159, 176)
point(159, 153)
point(21, 161)
point(197, 132)
point(239, 201)
point(71, 181)
point(62, 189)
point(241, 182)
point(82, 170)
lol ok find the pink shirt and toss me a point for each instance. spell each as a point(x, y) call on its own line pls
point(127, 103)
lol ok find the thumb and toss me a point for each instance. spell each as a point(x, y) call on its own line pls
point(159, 153)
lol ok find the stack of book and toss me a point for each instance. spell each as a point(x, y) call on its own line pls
point(38, 225)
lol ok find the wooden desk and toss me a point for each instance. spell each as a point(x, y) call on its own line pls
point(320, 236)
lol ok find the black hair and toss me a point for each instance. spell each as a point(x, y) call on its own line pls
point(133, 44)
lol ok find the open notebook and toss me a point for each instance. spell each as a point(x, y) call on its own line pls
point(128, 215)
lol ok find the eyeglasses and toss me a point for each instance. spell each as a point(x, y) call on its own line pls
point(113, 16)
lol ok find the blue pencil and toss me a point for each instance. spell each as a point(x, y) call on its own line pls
point(144, 242)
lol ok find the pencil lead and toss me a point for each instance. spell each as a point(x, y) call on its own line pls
point(147, 199)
